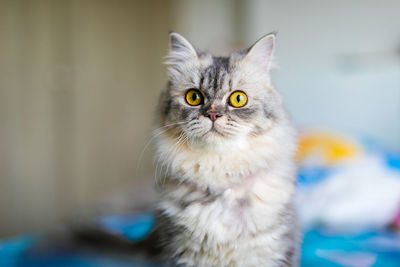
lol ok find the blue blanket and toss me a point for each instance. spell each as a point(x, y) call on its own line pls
point(319, 248)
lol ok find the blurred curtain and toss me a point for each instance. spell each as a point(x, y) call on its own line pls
point(79, 82)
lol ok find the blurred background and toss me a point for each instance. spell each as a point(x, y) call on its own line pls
point(79, 83)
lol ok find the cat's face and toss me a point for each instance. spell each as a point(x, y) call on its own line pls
point(212, 99)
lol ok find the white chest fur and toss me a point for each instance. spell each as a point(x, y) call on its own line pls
point(228, 205)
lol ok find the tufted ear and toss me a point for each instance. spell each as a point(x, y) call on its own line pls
point(181, 57)
point(180, 50)
point(261, 53)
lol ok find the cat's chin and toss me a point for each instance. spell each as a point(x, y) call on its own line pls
point(214, 132)
point(213, 140)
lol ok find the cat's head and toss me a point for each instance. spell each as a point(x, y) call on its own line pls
point(212, 99)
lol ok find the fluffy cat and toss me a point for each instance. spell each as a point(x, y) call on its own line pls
point(224, 145)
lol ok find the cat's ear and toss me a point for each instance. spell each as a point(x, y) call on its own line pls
point(261, 53)
point(180, 50)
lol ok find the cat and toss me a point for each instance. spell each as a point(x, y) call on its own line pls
point(224, 146)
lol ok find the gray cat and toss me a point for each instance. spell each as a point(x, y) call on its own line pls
point(225, 146)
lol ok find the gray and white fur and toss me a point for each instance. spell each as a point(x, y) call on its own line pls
point(227, 183)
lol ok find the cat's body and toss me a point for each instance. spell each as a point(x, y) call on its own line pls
point(227, 163)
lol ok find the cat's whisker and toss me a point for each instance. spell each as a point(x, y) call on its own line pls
point(170, 125)
point(152, 138)
point(155, 174)
point(178, 140)
point(193, 122)
point(195, 129)
point(162, 163)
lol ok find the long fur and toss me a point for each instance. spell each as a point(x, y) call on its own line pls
point(227, 195)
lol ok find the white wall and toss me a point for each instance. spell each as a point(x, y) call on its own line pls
point(206, 24)
point(339, 63)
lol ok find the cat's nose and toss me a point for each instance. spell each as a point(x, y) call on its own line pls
point(213, 115)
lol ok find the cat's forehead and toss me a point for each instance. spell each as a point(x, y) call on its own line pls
point(214, 77)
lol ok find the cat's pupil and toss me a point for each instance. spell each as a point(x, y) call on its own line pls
point(239, 98)
point(194, 97)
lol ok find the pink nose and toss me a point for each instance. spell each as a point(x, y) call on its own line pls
point(213, 115)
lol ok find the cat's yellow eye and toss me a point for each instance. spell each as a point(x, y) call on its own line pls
point(194, 97)
point(238, 99)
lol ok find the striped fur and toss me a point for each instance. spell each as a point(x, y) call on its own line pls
point(227, 186)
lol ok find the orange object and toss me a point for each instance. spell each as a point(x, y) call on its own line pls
point(327, 148)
